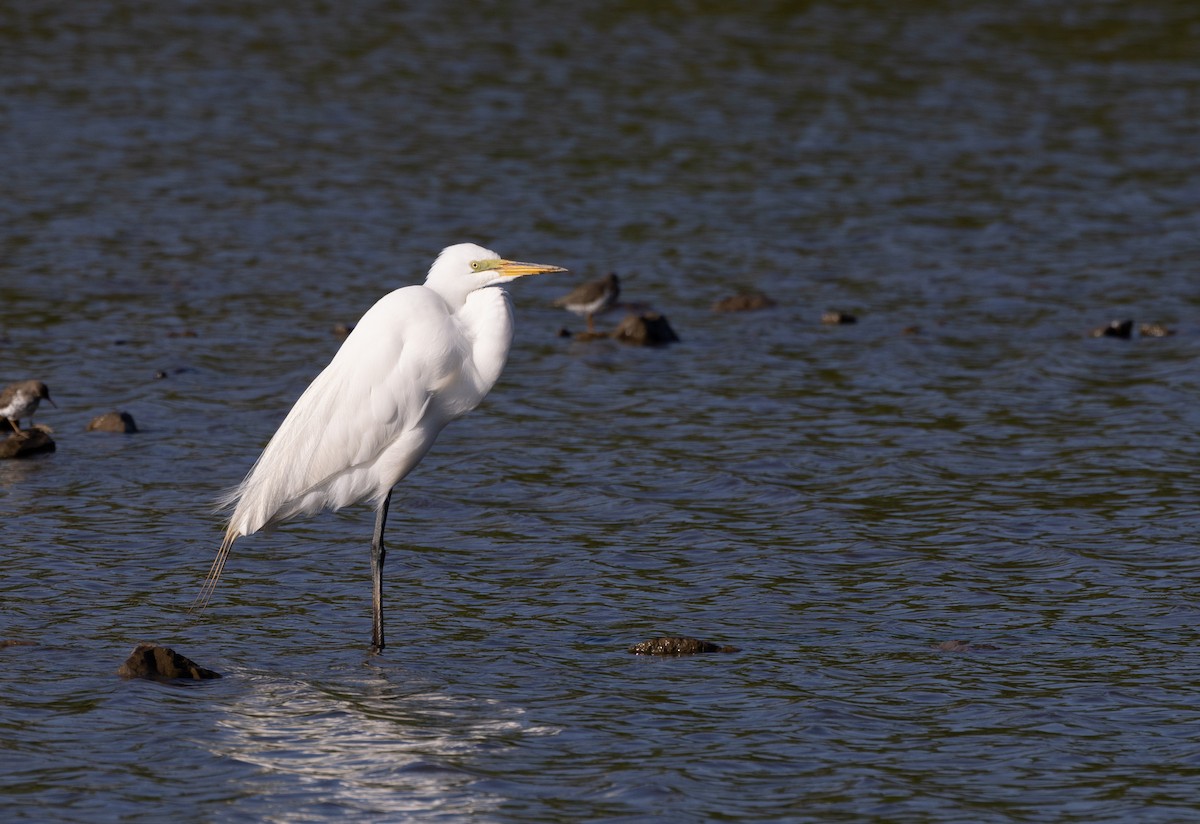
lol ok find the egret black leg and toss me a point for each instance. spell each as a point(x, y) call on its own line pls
point(377, 556)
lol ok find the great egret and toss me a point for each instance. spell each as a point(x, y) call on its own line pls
point(592, 298)
point(20, 400)
point(419, 358)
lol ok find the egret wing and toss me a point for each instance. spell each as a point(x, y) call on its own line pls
point(375, 392)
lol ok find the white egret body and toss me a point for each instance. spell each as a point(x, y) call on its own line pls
point(419, 358)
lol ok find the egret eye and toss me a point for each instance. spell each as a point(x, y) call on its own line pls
point(476, 265)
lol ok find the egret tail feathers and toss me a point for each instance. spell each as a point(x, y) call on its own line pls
point(214, 573)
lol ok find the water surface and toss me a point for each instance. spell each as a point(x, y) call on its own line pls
point(196, 194)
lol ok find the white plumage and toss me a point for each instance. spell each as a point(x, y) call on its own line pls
point(419, 358)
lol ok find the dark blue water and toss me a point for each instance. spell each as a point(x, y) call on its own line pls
point(195, 195)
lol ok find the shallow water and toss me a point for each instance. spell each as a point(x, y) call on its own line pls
point(203, 191)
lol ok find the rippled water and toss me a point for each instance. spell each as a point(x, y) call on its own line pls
point(201, 191)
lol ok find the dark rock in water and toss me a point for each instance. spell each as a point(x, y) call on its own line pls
point(1115, 329)
point(962, 646)
point(833, 318)
point(646, 329)
point(113, 422)
point(1155, 330)
point(343, 329)
point(13, 642)
point(31, 441)
point(677, 646)
point(747, 302)
point(153, 661)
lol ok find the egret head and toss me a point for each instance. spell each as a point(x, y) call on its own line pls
point(465, 267)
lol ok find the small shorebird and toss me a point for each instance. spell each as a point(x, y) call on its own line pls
point(20, 400)
point(592, 298)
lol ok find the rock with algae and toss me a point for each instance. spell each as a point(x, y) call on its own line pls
point(962, 646)
point(678, 646)
point(162, 663)
point(645, 329)
point(113, 422)
point(1155, 330)
point(31, 441)
point(744, 302)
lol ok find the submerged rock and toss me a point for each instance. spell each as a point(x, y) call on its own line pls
point(31, 441)
point(16, 642)
point(1122, 329)
point(962, 646)
point(112, 422)
point(678, 646)
point(645, 329)
point(157, 662)
point(1155, 330)
point(746, 302)
point(834, 318)
point(583, 337)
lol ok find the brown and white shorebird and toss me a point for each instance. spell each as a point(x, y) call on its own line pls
point(20, 400)
point(592, 298)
